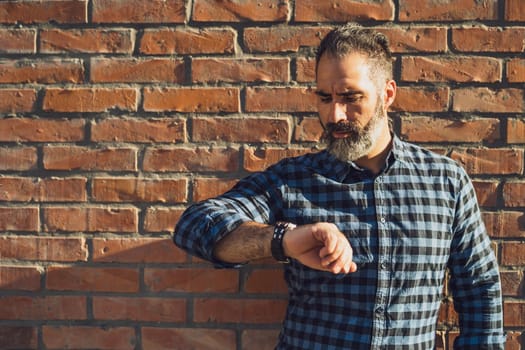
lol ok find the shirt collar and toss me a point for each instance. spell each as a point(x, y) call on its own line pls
point(329, 166)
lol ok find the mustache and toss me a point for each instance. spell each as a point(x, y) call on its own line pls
point(342, 126)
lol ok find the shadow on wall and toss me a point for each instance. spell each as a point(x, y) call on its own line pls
point(129, 292)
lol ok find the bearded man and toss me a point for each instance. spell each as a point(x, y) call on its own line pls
point(367, 228)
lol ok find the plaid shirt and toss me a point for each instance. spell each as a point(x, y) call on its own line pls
point(407, 226)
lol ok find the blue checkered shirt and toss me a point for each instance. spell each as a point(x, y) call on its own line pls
point(406, 225)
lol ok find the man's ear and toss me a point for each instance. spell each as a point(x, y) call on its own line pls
point(389, 94)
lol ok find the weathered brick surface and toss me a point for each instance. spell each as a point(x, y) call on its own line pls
point(242, 11)
point(447, 10)
point(136, 11)
point(17, 41)
point(343, 11)
point(116, 115)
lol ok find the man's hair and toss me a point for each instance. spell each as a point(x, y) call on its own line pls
point(353, 38)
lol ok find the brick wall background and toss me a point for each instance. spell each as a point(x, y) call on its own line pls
point(115, 115)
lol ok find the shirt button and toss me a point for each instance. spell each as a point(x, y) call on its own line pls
point(384, 266)
point(379, 310)
point(383, 220)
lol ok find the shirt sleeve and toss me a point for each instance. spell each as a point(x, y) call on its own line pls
point(206, 222)
point(475, 281)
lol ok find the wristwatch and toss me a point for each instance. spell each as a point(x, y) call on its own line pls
point(277, 241)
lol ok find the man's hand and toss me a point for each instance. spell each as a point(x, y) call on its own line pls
point(320, 246)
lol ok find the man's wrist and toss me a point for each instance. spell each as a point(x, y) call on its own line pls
point(277, 249)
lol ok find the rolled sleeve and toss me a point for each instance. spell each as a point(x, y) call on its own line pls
point(203, 224)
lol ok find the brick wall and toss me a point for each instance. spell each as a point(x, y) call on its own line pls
point(115, 115)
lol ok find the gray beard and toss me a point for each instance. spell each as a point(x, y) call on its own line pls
point(359, 141)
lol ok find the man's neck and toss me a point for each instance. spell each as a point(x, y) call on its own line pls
point(376, 158)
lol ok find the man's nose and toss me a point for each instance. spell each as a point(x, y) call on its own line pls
point(337, 112)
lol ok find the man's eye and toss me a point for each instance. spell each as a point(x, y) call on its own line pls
point(352, 99)
point(325, 99)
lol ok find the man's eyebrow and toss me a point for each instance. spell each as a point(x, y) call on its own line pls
point(321, 93)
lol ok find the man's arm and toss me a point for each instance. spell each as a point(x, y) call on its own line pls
point(475, 282)
point(320, 246)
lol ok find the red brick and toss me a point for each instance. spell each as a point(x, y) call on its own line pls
point(43, 308)
point(515, 130)
point(17, 41)
point(488, 39)
point(282, 38)
point(204, 188)
point(505, 224)
point(494, 100)
point(514, 194)
point(308, 130)
point(137, 250)
point(19, 219)
point(447, 10)
point(59, 11)
point(193, 100)
point(43, 248)
point(139, 190)
point(259, 339)
point(92, 279)
point(512, 253)
point(19, 337)
point(516, 70)
point(161, 219)
point(137, 11)
point(171, 130)
point(18, 158)
point(210, 70)
point(486, 192)
point(453, 69)
point(90, 99)
point(270, 281)
point(343, 11)
point(90, 219)
point(42, 71)
point(514, 10)
point(192, 280)
point(513, 313)
point(490, 161)
point(187, 41)
point(305, 69)
point(421, 99)
point(289, 99)
point(82, 158)
point(19, 278)
point(41, 130)
point(132, 70)
point(188, 338)
point(86, 41)
point(242, 11)
point(431, 129)
point(241, 129)
point(25, 189)
point(256, 159)
point(259, 311)
point(195, 159)
point(89, 337)
point(416, 39)
point(512, 283)
point(139, 309)
point(447, 315)
point(17, 100)
point(514, 339)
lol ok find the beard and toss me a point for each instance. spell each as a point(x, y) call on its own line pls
point(359, 140)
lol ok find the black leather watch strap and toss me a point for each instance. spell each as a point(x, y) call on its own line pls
point(277, 241)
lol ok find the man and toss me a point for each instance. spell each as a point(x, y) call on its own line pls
point(367, 227)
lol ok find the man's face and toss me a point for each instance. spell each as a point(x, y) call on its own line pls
point(350, 106)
